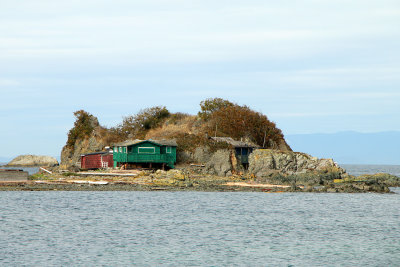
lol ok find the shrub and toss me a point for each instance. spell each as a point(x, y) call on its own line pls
point(177, 118)
point(83, 127)
point(240, 121)
point(210, 105)
point(149, 118)
point(189, 142)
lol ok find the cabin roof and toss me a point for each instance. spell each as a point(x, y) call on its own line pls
point(98, 153)
point(233, 142)
point(157, 142)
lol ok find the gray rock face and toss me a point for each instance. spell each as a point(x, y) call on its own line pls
point(219, 163)
point(70, 156)
point(264, 162)
point(201, 155)
point(33, 160)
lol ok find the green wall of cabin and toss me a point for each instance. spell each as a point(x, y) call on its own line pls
point(130, 154)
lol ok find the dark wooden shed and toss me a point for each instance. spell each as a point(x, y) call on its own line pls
point(242, 149)
point(97, 160)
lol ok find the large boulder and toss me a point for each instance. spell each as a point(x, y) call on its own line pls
point(33, 160)
point(264, 162)
point(200, 155)
point(219, 163)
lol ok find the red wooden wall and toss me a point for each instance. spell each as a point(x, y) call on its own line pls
point(97, 161)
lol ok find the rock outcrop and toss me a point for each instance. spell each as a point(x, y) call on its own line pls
point(70, 156)
point(219, 163)
point(33, 160)
point(222, 162)
point(85, 137)
point(265, 162)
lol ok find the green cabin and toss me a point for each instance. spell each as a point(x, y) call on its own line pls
point(153, 153)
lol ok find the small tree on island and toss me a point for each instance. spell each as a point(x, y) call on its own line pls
point(83, 127)
point(211, 105)
point(228, 119)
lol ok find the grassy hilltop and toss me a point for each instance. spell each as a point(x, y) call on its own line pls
point(217, 117)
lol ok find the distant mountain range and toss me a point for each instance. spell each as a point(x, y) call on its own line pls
point(350, 147)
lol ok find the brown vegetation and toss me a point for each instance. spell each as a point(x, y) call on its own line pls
point(83, 127)
point(217, 117)
point(242, 122)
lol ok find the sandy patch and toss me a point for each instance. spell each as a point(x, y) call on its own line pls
point(257, 185)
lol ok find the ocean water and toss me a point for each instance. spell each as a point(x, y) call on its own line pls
point(357, 170)
point(198, 229)
point(30, 170)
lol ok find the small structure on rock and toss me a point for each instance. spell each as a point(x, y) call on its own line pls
point(149, 153)
point(242, 149)
point(97, 160)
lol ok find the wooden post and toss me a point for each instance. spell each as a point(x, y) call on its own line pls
point(265, 133)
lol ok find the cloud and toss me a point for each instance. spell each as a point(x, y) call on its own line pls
point(299, 62)
point(178, 32)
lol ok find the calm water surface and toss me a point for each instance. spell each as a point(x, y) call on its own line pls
point(355, 169)
point(30, 170)
point(198, 229)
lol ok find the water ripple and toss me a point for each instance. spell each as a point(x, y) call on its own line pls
point(198, 229)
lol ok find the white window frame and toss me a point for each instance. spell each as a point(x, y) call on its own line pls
point(169, 149)
point(154, 150)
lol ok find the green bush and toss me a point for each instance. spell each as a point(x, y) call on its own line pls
point(138, 125)
point(83, 127)
point(38, 176)
point(210, 105)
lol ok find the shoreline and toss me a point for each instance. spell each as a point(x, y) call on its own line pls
point(82, 185)
point(190, 180)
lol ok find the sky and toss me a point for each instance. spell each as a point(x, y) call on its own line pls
point(311, 66)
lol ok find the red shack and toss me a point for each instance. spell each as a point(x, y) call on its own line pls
point(97, 160)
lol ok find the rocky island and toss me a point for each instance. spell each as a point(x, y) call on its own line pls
point(225, 147)
point(33, 161)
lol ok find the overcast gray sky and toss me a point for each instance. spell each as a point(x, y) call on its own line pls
point(309, 65)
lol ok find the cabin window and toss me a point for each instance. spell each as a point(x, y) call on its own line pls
point(146, 150)
point(169, 149)
point(115, 149)
point(120, 149)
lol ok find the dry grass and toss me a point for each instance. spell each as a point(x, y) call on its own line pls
point(169, 130)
